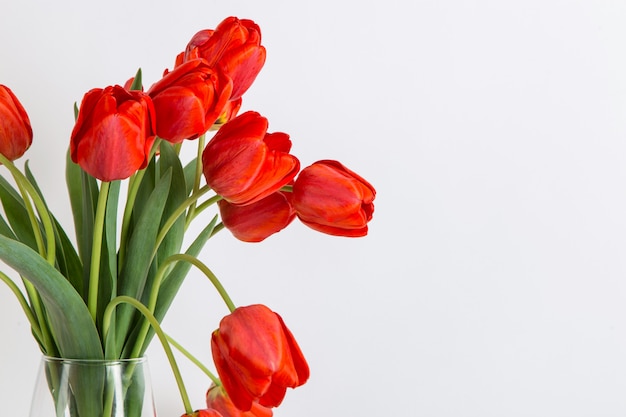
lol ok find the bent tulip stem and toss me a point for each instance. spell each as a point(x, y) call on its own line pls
point(94, 271)
point(194, 360)
point(204, 206)
point(160, 334)
point(180, 210)
point(27, 189)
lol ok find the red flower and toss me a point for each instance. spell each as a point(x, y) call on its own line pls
point(16, 134)
point(257, 357)
point(114, 132)
point(188, 100)
point(234, 46)
point(243, 163)
point(257, 221)
point(217, 399)
point(330, 198)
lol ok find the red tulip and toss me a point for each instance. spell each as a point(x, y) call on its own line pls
point(189, 99)
point(16, 134)
point(235, 46)
point(257, 221)
point(113, 133)
point(217, 399)
point(257, 357)
point(330, 198)
point(243, 163)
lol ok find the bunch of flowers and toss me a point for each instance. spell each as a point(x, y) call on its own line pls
point(104, 294)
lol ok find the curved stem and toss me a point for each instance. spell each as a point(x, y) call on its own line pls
point(180, 210)
point(96, 250)
point(160, 334)
point(203, 207)
point(194, 360)
point(44, 214)
point(158, 279)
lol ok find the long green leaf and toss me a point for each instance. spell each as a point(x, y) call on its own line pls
point(16, 213)
point(68, 262)
point(70, 322)
point(139, 257)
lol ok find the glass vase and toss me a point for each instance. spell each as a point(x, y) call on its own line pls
point(93, 388)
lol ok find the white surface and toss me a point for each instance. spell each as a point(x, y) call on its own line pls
point(493, 280)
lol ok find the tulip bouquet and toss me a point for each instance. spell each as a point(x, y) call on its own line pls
point(103, 293)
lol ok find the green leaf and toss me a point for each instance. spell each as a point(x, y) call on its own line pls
point(190, 175)
point(83, 192)
point(172, 282)
point(140, 252)
point(68, 317)
point(68, 262)
point(169, 161)
point(16, 213)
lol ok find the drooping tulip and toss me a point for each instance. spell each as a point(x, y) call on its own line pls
point(244, 164)
point(217, 399)
point(16, 134)
point(189, 99)
point(113, 133)
point(257, 358)
point(235, 46)
point(257, 221)
point(330, 198)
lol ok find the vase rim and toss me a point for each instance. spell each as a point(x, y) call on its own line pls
point(108, 362)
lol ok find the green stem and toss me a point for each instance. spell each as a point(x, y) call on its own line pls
point(24, 304)
point(194, 360)
point(44, 214)
point(160, 334)
point(203, 207)
point(154, 294)
point(27, 189)
point(196, 182)
point(180, 210)
point(96, 250)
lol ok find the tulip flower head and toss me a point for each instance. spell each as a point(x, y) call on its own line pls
point(235, 47)
point(257, 357)
point(114, 133)
point(257, 221)
point(189, 99)
point(330, 198)
point(244, 164)
point(16, 134)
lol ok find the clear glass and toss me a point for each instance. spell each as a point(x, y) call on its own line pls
point(93, 388)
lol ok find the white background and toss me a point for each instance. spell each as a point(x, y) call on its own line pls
point(493, 279)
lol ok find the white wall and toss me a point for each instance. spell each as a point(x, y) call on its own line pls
point(493, 280)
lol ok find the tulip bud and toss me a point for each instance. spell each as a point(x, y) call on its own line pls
point(257, 357)
point(235, 47)
point(331, 199)
point(114, 133)
point(16, 134)
point(244, 164)
point(257, 221)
